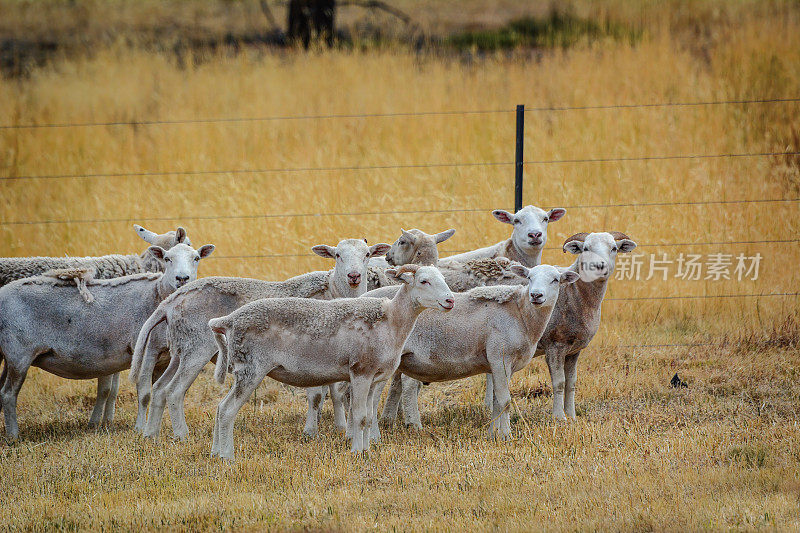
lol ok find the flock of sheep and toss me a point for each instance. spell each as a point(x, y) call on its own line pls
point(409, 318)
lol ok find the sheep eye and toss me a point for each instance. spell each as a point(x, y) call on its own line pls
point(425, 282)
point(516, 221)
point(337, 256)
point(197, 258)
point(614, 249)
point(545, 219)
point(555, 281)
point(167, 259)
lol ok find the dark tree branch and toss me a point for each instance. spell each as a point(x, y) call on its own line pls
point(268, 13)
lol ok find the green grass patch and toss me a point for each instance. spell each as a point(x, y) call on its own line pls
point(559, 29)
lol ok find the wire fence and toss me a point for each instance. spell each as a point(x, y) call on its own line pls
point(217, 120)
point(384, 213)
point(426, 165)
point(415, 166)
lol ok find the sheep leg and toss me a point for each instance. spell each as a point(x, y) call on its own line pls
point(392, 404)
point(186, 374)
point(103, 392)
point(410, 402)
point(555, 362)
point(571, 377)
point(244, 385)
point(15, 374)
point(501, 375)
point(359, 390)
point(144, 387)
point(2, 380)
point(158, 399)
point(373, 431)
point(338, 400)
point(215, 436)
point(108, 413)
point(316, 397)
point(488, 398)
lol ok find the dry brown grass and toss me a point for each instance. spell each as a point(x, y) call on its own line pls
point(720, 454)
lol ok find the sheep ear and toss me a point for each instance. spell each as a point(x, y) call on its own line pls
point(556, 213)
point(377, 250)
point(323, 250)
point(574, 247)
point(568, 277)
point(519, 270)
point(407, 235)
point(206, 250)
point(145, 234)
point(444, 235)
point(391, 273)
point(625, 246)
point(158, 252)
point(503, 216)
point(180, 234)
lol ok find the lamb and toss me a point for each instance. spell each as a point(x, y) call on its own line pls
point(191, 344)
point(575, 319)
point(492, 329)
point(413, 247)
point(310, 343)
point(527, 240)
point(490, 266)
point(46, 322)
point(104, 267)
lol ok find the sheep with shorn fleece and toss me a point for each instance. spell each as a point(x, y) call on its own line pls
point(185, 315)
point(104, 267)
point(413, 247)
point(527, 240)
point(491, 329)
point(575, 319)
point(47, 322)
point(307, 343)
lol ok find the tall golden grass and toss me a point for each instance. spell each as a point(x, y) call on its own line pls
point(721, 454)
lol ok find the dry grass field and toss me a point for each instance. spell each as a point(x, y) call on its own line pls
point(722, 453)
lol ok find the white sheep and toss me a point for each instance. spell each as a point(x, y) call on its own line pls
point(309, 343)
point(527, 239)
point(47, 322)
point(491, 266)
point(492, 329)
point(104, 267)
point(191, 345)
point(575, 319)
point(413, 247)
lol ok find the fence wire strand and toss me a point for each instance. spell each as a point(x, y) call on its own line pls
point(217, 120)
point(384, 213)
point(282, 170)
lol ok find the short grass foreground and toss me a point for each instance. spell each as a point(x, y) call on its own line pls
point(722, 453)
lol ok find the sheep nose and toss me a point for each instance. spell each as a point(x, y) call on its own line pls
point(354, 278)
point(535, 234)
point(182, 278)
point(537, 297)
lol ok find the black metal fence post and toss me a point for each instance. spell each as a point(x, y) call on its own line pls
point(518, 160)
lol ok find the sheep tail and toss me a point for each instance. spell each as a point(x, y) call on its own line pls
point(220, 329)
point(158, 316)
